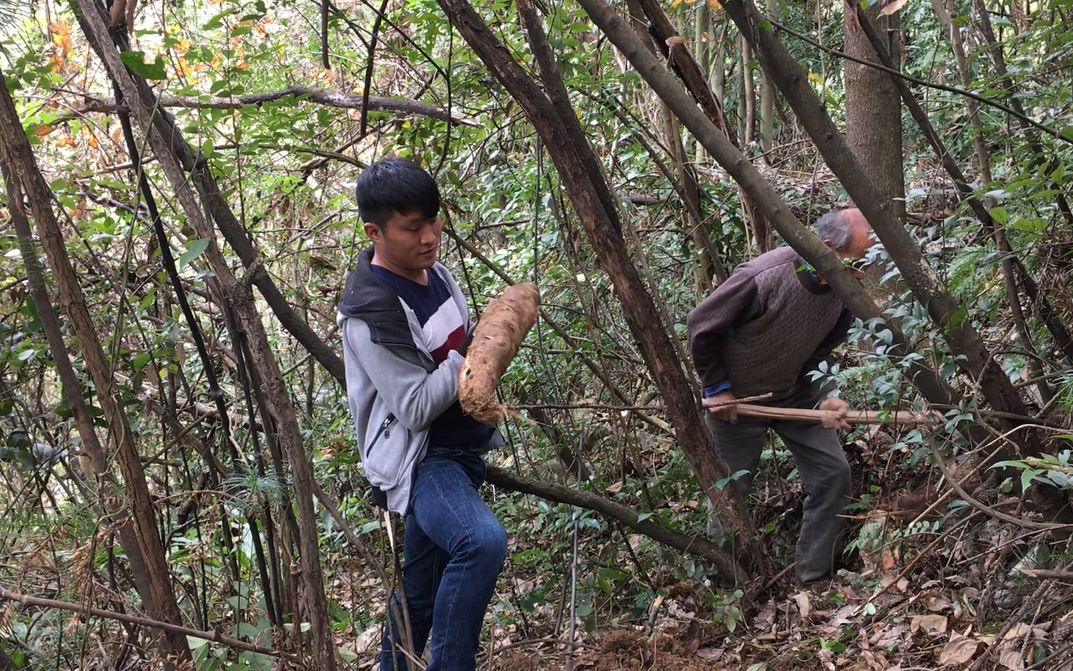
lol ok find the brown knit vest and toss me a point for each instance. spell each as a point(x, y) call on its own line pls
point(767, 353)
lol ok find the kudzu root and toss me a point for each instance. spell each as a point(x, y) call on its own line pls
point(496, 339)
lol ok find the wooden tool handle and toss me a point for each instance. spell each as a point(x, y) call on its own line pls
point(896, 417)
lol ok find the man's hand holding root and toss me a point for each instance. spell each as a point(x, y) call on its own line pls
point(835, 412)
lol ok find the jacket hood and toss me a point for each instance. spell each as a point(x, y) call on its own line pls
point(370, 299)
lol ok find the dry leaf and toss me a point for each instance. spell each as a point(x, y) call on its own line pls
point(888, 637)
point(1010, 657)
point(675, 41)
point(929, 624)
point(711, 654)
point(959, 650)
point(803, 604)
point(937, 604)
point(891, 7)
point(1017, 631)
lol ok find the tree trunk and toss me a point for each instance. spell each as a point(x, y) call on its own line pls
point(957, 44)
point(964, 341)
point(994, 47)
point(581, 174)
point(19, 159)
point(767, 100)
point(692, 75)
point(761, 192)
point(1009, 263)
point(708, 264)
point(748, 92)
point(163, 137)
point(873, 111)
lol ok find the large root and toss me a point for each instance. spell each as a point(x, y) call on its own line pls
point(496, 339)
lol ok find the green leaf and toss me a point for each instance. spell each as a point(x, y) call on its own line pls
point(194, 642)
point(135, 61)
point(722, 484)
point(1026, 477)
point(641, 517)
point(1029, 224)
point(257, 660)
point(1067, 132)
point(196, 248)
point(1000, 215)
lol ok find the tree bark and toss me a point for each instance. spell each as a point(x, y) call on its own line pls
point(761, 191)
point(748, 92)
point(964, 341)
point(767, 100)
point(873, 115)
point(20, 162)
point(161, 133)
point(1012, 267)
point(557, 124)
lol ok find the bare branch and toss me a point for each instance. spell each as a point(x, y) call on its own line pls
point(320, 96)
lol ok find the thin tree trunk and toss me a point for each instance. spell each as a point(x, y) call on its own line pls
point(686, 67)
point(748, 92)
point(708, 264)
point(964, 341)
point(161, 133)
point(994, 47)
point(60, 355)
point(20, 162)
point(873, 115)
point(717, 75)
point(767, 99)
point(557, 124)
point(703, 48)
point(957, 44)
point(761, 191)
point(1009, 263)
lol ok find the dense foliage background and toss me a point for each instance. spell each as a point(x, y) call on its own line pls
point(271, 97)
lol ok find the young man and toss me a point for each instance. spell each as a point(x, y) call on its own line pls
point(761, 331)
point(405, 322)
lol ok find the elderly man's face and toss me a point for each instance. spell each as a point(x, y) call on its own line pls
point(861, 239)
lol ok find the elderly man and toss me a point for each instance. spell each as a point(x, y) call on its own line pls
point(761, 332)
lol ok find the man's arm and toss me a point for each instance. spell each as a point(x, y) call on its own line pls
point(415, 396)
point(708, 325)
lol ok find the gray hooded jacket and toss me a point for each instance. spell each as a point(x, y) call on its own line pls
point(394, 389)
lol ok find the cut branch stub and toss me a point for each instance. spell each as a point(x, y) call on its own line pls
point(496, 339)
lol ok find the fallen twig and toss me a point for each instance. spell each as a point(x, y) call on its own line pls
point(7, 595)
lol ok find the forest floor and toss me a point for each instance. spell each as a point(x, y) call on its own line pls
point(919, 616)
point(929, 582)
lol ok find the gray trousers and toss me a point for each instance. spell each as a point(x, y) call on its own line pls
point(824, 470)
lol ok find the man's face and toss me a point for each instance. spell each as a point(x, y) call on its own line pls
point(860, 241)
point(407, 244)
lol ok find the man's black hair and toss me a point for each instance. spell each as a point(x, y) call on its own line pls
point(395, 185)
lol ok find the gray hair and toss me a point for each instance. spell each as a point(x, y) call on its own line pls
point(834, 227)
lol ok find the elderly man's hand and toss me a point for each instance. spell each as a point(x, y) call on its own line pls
point(835, 411)
point(727, 413)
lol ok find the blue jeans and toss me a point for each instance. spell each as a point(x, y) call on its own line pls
point(453, 551)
